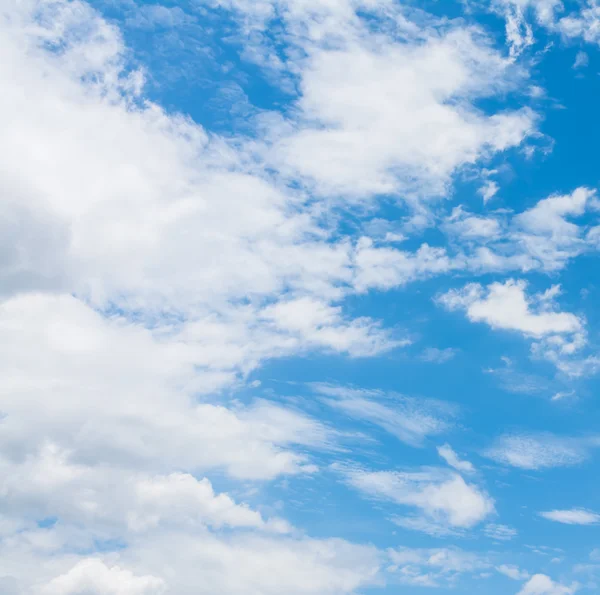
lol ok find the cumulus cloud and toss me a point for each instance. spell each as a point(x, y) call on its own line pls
point(94, 577)
point(546, 231)
point(412, 119)
point(540, 584)
point(506, 306)
point(298, 566)
point(149, 265)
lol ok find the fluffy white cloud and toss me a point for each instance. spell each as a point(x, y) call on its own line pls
point(384, 267)
point(238, 564)
point(392, 125)
point(444, 500)
point(93, 577)
point(543, 237)
point(537, 451)
point(540, 584)
point(506, 306)
point(393, 113)
point(472, 227)
point(191, 227)
point(576, 516)
point(97, 386)
point(116, 502)
point(148, 265)
point(546, 232)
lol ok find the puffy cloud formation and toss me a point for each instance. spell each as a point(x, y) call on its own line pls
point(149, 265)
point(94, 577)
point(444, 500)
point(557, 336)
point(540, 584)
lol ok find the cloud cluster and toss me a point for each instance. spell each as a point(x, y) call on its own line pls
point(148, 266)
point(434, 567)
point(556, 335)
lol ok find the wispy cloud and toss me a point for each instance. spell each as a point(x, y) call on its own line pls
point(444, 500)
point(409, 419)
point(538, 451)
point(575, 516)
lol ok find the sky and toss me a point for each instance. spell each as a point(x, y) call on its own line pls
point(298, 297)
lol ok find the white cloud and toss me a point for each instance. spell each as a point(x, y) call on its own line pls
point(444, 500)
point(50, 484)
point(438, 356)
point(537, 451)
point(559, 396)
point(448, 454)
point(576, 516)
point(506, 306)
point(181, 499)
point(93, 577)
point(540, 584)
point(542, 238)
point(489, 190)
point(581, 60)
point(513, 572)
point(500, 532)
point(411, 420)
point(384, 268)
point(311, 322)
point(66, 355)
point(546, 232)
point(150, 265)
point(472, 227)
point(238, 564)
point(433, 567)
point(411, 121)
point(519, 34)
point(360, 143)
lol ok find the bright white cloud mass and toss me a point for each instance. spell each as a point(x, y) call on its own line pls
point(256, 260)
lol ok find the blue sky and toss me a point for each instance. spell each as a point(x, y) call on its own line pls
point(299, 297)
